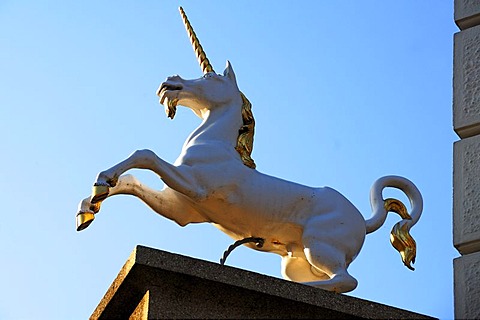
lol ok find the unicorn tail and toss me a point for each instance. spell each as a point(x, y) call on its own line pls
point(400, 236)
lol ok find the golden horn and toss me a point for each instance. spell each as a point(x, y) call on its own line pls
point(197, 47)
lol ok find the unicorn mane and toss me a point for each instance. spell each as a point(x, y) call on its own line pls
point(245, 134)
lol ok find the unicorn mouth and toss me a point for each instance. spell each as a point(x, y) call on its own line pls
point(168, 87)
point(170, 101)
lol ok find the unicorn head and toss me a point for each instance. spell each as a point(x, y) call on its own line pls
point(208, 92)
point(200, 95)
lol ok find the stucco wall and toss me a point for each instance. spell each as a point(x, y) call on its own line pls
point(466, 158)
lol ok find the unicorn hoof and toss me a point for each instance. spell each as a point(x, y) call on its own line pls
point(95, 207)
point(99, 192)
point(84, 219)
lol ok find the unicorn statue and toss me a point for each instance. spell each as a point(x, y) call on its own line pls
point(317, 231)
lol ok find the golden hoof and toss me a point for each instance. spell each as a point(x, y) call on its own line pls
point(99, 193)
point(95, 207)
point(84, 219)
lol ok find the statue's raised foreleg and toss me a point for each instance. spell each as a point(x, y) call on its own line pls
point(179, 178)
point(167, 202)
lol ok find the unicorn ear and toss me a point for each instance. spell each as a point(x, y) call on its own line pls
point(228, 72)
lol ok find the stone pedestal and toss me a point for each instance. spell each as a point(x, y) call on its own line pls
point(155, 284)
point(466, 158)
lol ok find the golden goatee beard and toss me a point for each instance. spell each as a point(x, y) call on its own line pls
point(171, 108)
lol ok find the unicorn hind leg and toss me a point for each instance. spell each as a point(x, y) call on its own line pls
point(298, 269)
point(329, 250)
point(326, 259)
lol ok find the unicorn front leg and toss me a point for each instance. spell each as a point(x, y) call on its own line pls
point(168, 203)
point(179, 178)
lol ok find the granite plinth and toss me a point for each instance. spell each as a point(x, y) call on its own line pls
point(155, 284)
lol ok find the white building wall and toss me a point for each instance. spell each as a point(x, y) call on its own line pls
point(466, 158)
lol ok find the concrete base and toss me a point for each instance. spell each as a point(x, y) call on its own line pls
point(155, 284)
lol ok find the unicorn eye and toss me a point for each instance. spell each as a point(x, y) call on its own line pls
point(207, 75)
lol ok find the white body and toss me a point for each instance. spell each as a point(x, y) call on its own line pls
point(317, 231)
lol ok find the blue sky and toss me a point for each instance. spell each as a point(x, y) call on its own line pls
point(343, 92)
